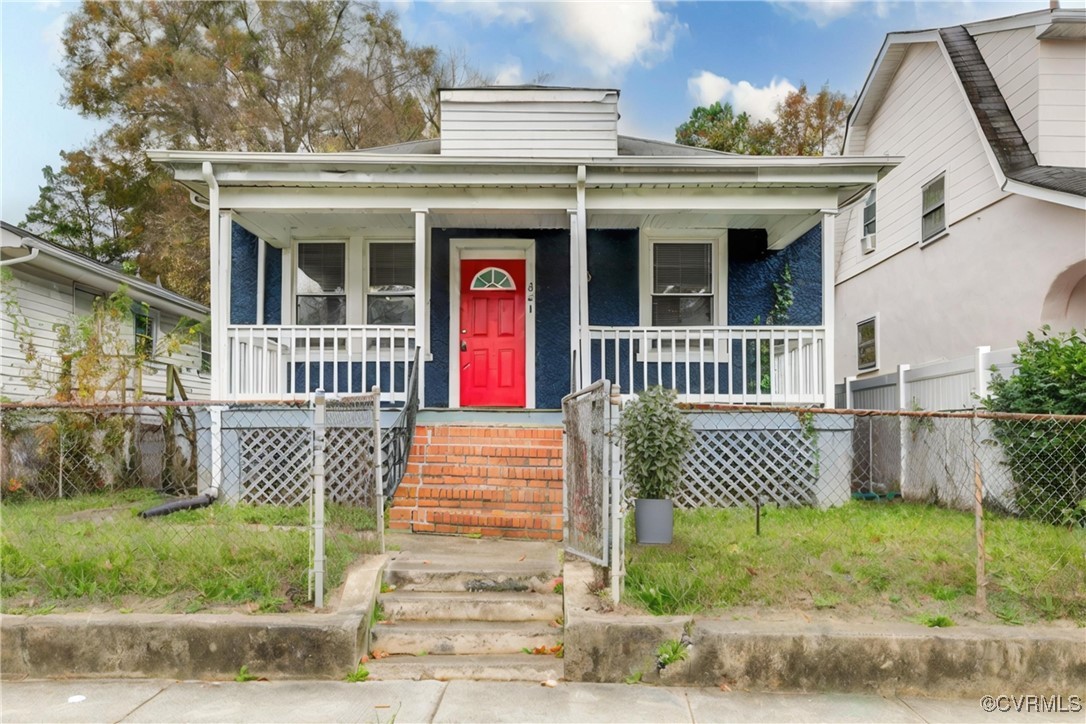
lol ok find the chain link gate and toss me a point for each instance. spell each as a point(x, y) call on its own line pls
point(592, 503)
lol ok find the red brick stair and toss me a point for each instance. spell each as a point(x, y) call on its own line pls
point(494, 481)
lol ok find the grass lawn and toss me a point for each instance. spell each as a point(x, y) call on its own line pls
point(94, 552)
point(864, 560)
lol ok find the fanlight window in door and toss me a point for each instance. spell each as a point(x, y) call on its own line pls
point(492, 278)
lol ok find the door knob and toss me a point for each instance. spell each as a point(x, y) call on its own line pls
point(463, 346)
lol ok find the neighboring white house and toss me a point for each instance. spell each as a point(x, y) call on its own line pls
point(54, 285)
point(528, 251)
point(979, 236)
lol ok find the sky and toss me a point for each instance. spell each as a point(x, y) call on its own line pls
point(664, 57)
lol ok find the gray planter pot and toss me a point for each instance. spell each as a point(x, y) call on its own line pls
point(654, 521)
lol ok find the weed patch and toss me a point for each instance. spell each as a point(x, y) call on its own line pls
point(899, 561)
point(94, 550)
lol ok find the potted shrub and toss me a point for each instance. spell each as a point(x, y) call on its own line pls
point(655, 437)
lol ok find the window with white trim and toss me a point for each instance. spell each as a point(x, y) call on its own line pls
point(869, 213)
point(144, 328)
point(390, 293)
point(682, 284)
point(492, 278)
point(867, 347)
point(205, 353)
point(320, 289)
point(933, 208)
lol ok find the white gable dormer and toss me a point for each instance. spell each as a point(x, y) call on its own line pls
point(529, 122)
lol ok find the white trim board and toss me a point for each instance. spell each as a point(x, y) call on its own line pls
point(468, 248)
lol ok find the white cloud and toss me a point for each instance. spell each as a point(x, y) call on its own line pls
point(511, 73)
point(611, 36)
point(824, 12)
point(605, 37)
point(53, 37)
point(43, 5)
point(760, 102)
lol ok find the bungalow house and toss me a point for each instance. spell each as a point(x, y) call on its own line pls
point(528, 251)
point(48, 284)
point(979, 235)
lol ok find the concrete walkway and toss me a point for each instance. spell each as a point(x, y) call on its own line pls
point(142, 700)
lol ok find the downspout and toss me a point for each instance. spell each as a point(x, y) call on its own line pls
point(22, 259)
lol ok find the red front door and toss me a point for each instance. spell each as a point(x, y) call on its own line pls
point(492, 333)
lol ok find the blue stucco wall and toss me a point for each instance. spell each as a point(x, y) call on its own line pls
point(751, 277)
point(552, 362)
point(244, 247)
point(273, 286)
point(613, 265)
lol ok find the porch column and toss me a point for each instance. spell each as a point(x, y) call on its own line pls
point(828, 288)
point(582, 279)
point(574, 303)
point(422, 299)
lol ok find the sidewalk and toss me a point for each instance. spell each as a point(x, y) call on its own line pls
point(143, 700)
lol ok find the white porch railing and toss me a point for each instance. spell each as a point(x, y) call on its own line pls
point(732, 365)
point(287, 362)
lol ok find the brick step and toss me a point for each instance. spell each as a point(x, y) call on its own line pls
point(508, 667)
point(461, 637)
point(484, 454)
point(400, 606)
point(487, 431)
point(442, 529)
point(478, 493)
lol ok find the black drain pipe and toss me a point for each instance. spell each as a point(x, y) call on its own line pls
point(172, 506)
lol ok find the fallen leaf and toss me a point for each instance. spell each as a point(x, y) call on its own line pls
point(724, 686)
point(364, 659)
point(549, 682)
point(379, 654)
point(522, 558)
point(751, 571)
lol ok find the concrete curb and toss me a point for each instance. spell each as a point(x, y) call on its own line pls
point(901, 659)
point(196, 646)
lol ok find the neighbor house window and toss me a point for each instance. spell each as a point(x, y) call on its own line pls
point(682, 284)
point(205, 352)
point(144, 324)
point(390, 294)
point(934, 209)
point(869, 213)
point(867, 356)
point(322, 282)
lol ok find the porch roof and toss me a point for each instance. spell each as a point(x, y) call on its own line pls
point(283, 196)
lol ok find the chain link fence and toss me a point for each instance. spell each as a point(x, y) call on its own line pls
point(176, 506)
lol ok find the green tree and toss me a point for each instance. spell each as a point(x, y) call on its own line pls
point(1047, 457)
point(805, 125)
point(243, 75)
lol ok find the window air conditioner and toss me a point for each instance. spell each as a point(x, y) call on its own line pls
point(867, 244)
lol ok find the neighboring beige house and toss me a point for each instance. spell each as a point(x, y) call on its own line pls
point(54, 285)
point(979, 236)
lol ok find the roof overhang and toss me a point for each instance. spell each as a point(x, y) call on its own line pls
point(67, 264)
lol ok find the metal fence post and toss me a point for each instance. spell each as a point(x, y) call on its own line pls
point(984, 375)
point(379, 472)
point(978, 518)
point(618, 529)
point(903, 424)
point(216, 447)
point(318, 498)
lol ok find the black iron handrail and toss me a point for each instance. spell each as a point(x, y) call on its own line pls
point(396, 445)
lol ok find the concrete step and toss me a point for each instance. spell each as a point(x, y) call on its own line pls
point(453, 577)
point(483, 606)
point(461, 637)
point(511, 667)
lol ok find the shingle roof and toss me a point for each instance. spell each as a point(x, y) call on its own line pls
point(1000, 129)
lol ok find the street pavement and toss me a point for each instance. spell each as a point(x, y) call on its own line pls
point(383, 702)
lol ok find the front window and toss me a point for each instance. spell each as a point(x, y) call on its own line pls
point(144, 325)
point(934, 209)
point(682, 284)
point(867, 357)
point(390, 295)
point(321, 287)
point(869, 214)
